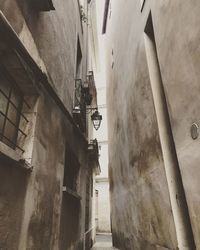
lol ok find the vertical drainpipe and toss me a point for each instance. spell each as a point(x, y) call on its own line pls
point(176, 191)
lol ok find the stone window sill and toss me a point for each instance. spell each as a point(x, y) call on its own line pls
point(11, 155)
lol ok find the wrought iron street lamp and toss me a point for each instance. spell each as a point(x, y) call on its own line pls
point(83, 103)
point(96, 119)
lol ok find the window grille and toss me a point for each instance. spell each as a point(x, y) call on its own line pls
point(12, 104)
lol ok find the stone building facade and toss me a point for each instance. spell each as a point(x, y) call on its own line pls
point(153, 116)
point(48, 157)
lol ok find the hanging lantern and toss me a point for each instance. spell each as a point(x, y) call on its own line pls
point(96, 119)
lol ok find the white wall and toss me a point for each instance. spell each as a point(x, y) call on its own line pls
point(103, 216)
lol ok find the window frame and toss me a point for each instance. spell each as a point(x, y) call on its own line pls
point(13, 87)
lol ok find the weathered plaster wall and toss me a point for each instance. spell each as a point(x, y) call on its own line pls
point(181, 81)
point(141, 210)
point(12, 197)
point(32, 204)
point(50, 32)
point(43, 197)
point(30, 201)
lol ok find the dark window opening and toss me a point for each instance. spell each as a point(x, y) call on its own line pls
point(149, 29)
point(44, 5)
point(71, 206)
point(78, 60)
point(88, 199)
point(12, 105)
point(88, 212)
point(71, 171)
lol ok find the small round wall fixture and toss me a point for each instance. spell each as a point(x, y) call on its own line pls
point(194, 130)
point(96, 119)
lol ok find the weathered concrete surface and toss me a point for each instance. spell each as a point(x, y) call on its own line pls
point(43, 201)
point(141, 210)
point(182, 86)
point(32, 204)
point(50, 33)
point(12, 195)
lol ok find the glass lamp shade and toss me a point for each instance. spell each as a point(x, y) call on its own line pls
point(96, 119)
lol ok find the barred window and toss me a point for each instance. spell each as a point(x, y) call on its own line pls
point(11, 105)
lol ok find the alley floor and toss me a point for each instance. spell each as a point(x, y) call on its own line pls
point(103, 242)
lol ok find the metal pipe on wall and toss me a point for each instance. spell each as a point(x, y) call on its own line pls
point(176, 191)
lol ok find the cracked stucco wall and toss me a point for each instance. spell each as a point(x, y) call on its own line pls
point(30, 203)
point(141, 210)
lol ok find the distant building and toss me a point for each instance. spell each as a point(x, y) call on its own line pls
point(48, 155)
point(153, 120)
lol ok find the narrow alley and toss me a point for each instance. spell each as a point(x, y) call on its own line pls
point(99, 125)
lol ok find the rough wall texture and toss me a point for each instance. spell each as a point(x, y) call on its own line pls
point(45, 186)
point(50, 31)
point(141, 211)
point(32, 204)
point(12, 196)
